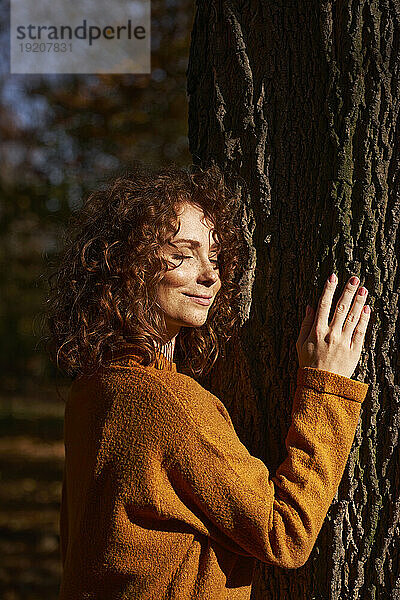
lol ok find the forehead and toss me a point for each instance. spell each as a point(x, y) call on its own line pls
point(193, 225)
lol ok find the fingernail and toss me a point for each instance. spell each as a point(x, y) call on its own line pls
point(354, 280)
point(332, 278)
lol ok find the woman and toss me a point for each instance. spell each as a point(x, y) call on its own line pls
point(160, 498)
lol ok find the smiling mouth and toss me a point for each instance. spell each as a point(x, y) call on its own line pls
point(199, 300)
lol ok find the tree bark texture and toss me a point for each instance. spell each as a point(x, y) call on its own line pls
point(301, 100)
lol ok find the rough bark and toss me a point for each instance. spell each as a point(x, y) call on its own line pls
point(302, 101)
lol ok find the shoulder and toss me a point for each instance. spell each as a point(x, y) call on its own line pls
point(144, 407)
point(149, 381)
point(172, 392)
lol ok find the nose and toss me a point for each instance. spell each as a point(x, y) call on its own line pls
point(208, 275)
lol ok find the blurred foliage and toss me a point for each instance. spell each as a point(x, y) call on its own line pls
point(60, 135)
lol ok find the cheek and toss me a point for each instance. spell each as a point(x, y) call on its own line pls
point(175, 278)
point(181, 277)
point(172, 282)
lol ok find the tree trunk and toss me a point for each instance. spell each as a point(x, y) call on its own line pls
point(301, 100)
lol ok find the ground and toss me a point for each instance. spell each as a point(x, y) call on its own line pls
point(31, 467)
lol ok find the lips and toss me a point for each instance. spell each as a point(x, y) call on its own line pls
point(205, 301)
point(198, 296)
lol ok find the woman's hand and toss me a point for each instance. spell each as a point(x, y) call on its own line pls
point(334, 347)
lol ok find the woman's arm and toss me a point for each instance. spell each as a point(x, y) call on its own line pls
point(209, 480)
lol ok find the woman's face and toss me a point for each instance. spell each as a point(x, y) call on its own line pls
point(196, 272)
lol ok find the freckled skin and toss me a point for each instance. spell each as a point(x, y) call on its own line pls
point(196, 274)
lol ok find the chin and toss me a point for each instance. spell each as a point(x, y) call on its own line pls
point(197, 321)
point(194, 323)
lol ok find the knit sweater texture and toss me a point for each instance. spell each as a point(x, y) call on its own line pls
point(162, 501)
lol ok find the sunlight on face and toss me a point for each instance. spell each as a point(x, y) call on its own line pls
point(196, 272)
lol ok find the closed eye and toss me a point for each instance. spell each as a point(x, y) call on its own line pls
point(180, 256)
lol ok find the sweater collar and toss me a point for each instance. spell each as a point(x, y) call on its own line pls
point(162, 362)
point(130, 352)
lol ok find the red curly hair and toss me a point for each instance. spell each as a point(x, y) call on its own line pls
point(103, 289)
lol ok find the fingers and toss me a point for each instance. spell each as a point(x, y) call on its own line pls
point(356, 310)
point(343, 305)
point(359, 332)
point(324, 305)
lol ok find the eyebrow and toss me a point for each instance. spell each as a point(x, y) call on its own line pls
point(193, 243)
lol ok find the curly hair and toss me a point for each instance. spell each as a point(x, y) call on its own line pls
point(102, 291)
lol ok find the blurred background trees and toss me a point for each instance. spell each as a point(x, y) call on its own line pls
point(60, 135)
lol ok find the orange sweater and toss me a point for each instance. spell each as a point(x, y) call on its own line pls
point(161, 500)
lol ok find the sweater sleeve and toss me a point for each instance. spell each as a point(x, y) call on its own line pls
point(215, 485)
